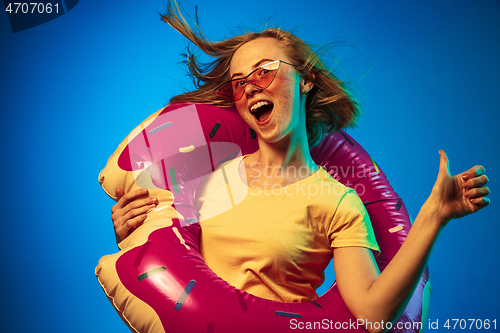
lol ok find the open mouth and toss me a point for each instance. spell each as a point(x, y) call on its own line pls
point(262, 110)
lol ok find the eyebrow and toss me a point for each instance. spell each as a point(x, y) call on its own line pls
point(256, 65)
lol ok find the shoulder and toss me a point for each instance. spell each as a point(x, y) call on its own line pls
point(335, 196)
point(329, 188)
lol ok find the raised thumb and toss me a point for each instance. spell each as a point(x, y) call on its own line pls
point(444, 165)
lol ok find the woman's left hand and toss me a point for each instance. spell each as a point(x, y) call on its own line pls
point(460, 195)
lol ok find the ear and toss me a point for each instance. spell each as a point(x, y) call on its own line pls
point(307, 83)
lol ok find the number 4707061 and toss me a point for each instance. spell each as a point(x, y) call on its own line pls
point(470, 324)
point(32, 8)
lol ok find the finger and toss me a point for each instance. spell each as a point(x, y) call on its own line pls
point(444, 164)
point(478, 170)
point(138, 211)
point(124, 230)
point(120, 215)
point(480, 202)
point(138, 203)
point(130, 196)
point(135, 222)
point(477, 192)
point(476, 182)
point(129, 210)
point(119, 193)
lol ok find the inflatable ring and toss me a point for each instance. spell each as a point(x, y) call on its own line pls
point(159, 282)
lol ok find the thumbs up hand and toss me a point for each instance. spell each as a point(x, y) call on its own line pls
point(460, 195)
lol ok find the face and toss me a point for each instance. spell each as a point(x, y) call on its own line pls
point(278, 111)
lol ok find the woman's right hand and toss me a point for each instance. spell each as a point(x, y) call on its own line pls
point(130, 211)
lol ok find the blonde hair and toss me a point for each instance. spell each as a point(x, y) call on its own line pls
point(329, 106)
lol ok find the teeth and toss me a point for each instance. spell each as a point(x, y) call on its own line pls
point(258, 105)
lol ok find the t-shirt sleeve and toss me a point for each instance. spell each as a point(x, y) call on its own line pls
point(351, 225)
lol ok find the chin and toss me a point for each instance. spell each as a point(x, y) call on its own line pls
point(271, 138)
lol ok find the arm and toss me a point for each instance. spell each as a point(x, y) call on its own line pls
point(130, 211)
point(377, 297)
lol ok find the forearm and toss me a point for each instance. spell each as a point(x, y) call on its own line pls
point(378, 297)
point(389, 294)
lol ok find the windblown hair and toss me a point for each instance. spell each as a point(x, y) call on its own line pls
point(329, 106)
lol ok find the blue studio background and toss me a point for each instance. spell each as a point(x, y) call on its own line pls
point(426, 72)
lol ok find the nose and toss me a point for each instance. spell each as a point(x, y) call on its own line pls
point(251, 89)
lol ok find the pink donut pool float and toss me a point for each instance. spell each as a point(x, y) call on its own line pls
point(159, 282)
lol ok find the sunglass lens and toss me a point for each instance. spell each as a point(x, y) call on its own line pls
point(265, 75)
point(260, 78)
point(226, 91)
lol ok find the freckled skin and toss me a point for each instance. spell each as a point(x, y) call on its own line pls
point(283, 138)
point(288, 117)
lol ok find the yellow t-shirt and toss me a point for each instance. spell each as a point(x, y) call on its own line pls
point(276, 243)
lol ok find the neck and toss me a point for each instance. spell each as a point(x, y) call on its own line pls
point(291, 152)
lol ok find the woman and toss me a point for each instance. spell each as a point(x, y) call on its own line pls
point(284, 94)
